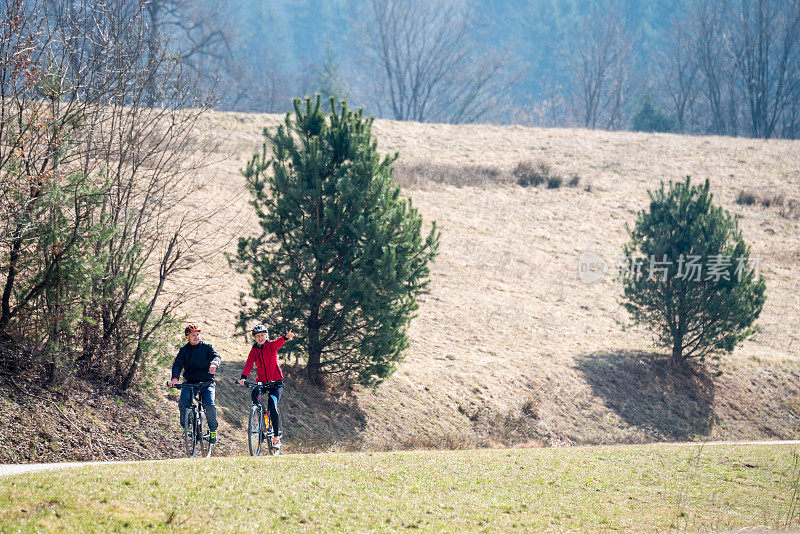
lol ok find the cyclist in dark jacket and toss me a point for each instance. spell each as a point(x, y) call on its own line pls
point(199, 362)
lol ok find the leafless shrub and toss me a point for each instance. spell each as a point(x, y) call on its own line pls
point(422, 173)
point(554, 182)
point(515, 426)
point(746, 198)
point(791, 208)
point(533, 173)
point(530, 407)
point(786, 206)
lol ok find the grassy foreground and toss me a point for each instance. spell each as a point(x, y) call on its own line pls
point(642, 488)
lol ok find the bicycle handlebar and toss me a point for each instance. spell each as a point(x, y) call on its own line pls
point(190, 384)
point(262, 384)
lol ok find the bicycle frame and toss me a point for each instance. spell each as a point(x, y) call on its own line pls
point(193, 420)
point(256, 433)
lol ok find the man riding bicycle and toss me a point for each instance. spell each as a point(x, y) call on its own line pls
point(199, 362)
point(264, 354)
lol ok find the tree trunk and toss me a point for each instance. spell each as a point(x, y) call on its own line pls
point(5, 305)
point(314, 367)
point(126, 383)
point(676, 361)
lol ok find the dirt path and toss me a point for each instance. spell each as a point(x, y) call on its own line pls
point(18, 469)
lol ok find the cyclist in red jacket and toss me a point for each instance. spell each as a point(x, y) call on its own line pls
point(264, 354)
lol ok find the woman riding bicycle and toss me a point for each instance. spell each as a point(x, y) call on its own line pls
point(264, 354)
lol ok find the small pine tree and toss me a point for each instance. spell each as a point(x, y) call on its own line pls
point(649, 117)
point(341, 257)
point(689, 274)
point(329, 78)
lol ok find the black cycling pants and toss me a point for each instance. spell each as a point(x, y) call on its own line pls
point(274, 394)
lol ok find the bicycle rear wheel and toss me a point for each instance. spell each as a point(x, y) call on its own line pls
point(189, 432)
point(254, 435)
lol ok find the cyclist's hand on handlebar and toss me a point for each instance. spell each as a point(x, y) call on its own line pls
point(172, 382)
point(212, 368)
point(240, 381)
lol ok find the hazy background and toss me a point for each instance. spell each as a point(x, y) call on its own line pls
point(697, 66)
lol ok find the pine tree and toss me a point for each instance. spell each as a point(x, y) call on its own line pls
point(329, 78)
point(341, 257)
point(689, 275)
point(649, 117)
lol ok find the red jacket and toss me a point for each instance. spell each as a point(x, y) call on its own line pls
point(266, 359)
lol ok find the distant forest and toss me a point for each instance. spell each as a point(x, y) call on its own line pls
point(729, 67)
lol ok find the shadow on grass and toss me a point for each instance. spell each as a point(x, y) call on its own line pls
point(647, 393)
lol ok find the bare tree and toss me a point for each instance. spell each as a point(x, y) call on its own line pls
point(790, 127)
point(425, 67)
point(150, 157)
point(129, 223)
point(748, 58)
point(764, 44)
point(602, 62)
point(679, 67)
point(258, 85)
point(707, 24)
point(200, 34)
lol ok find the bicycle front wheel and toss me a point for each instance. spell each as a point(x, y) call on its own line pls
point(254, 435)
point(200, 439)
point(190, 432)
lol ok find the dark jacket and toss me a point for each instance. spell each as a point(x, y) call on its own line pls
point(195, 361)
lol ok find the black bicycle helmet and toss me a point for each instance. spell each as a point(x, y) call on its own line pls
point(260, 329)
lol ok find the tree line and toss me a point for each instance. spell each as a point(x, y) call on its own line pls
point(728, 67)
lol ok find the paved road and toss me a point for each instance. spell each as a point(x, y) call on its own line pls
point(16, 469)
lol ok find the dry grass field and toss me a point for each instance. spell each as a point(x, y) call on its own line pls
point(510, 347)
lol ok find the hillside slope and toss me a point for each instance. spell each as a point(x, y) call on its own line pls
point(510, 347)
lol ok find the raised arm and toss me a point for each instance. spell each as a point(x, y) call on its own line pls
point(278, 343)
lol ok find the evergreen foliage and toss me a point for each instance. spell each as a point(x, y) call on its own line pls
point(329, 76)
point(689, 274)
point(341, 257)
point(648, 117)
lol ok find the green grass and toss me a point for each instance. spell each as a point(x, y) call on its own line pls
point(639, 488)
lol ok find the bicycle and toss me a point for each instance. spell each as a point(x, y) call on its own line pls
point(256, 433)
point(193, 435)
